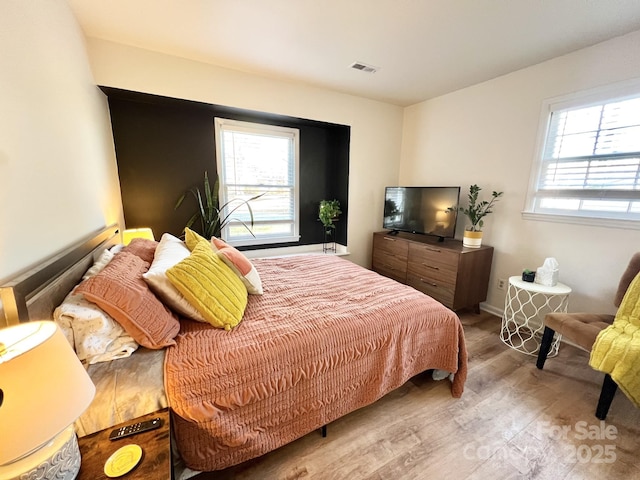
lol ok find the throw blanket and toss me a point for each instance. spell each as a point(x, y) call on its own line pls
point(326, 338)
point(616, 350)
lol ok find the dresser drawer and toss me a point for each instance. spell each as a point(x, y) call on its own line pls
point(442, 292)
point(433, 263)
point(390, 257)
point(434, 256)
point(390, 266)
point(386, 245)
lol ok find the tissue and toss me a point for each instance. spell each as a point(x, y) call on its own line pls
point(547, 274)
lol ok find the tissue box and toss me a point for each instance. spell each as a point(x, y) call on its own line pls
point(546, 277)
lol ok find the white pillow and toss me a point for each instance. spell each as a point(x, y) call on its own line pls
point(117, 248)
point(102, 261)
point(169, 252)
point(95, 336)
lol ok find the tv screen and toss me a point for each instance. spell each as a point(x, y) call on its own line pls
point(427, 210)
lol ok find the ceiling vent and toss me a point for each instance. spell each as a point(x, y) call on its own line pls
point(363, 67)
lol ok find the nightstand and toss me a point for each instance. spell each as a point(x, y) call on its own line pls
point(156, 463)
point(525, 306)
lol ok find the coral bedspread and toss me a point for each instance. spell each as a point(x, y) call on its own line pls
point(326, 338)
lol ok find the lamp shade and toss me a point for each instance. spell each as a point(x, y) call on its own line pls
point(132, 233)
point(43, 387)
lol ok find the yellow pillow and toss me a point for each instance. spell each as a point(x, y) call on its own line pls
point(192, 238)
point(210, 286)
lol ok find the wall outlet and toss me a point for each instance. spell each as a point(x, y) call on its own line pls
point(502, 283)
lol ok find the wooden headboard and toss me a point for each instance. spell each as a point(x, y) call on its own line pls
point(34, 294)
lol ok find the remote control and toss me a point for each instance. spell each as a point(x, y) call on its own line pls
point(134, 428)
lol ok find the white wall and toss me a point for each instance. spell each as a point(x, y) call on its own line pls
point(57, 162)
point(486, 134)
point(376, 128)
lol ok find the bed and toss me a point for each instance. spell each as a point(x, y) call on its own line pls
point(325, 338)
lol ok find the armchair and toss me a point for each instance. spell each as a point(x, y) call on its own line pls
point(583, 328)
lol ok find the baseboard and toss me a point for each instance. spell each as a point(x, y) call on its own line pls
point(492, 309)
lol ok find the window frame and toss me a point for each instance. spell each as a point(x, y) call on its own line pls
point(607, 94)
point(220, 124)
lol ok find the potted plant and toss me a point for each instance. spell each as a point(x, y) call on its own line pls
point(212, 216)
point(328, 213)
point(476, 211)
point(528, 275)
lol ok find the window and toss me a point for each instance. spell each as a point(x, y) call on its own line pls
point(589, 163)
point(256, 159)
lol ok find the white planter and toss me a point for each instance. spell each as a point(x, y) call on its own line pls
point(472, 239)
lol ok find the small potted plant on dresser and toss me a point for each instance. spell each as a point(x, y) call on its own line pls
point(476, 211)
point(328, 214)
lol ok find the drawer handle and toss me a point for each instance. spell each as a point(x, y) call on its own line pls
point(389, 267)
point(437, 250)
point(428, 283)
point(430, 266)
point(390, 239)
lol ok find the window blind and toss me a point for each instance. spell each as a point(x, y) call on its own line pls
point(591, 161)
point(258, 159)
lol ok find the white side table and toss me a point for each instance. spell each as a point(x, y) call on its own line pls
point(525, 305)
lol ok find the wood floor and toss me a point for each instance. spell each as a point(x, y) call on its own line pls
point(513, 421)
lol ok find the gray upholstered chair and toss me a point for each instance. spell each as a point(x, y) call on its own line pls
point(582, 330)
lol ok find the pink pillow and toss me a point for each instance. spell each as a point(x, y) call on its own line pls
point(240, 265)
point(143, 248)
point(121, 291)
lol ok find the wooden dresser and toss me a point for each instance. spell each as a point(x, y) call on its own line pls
point(456, 276)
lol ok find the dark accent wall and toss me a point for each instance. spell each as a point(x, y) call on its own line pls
point(164, 145)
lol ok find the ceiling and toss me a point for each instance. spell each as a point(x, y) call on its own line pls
point(423, 48)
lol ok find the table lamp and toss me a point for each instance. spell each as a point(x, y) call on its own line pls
point(43, 389)
point(132, 233)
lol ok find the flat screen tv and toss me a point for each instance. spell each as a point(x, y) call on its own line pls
point(425, 210)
